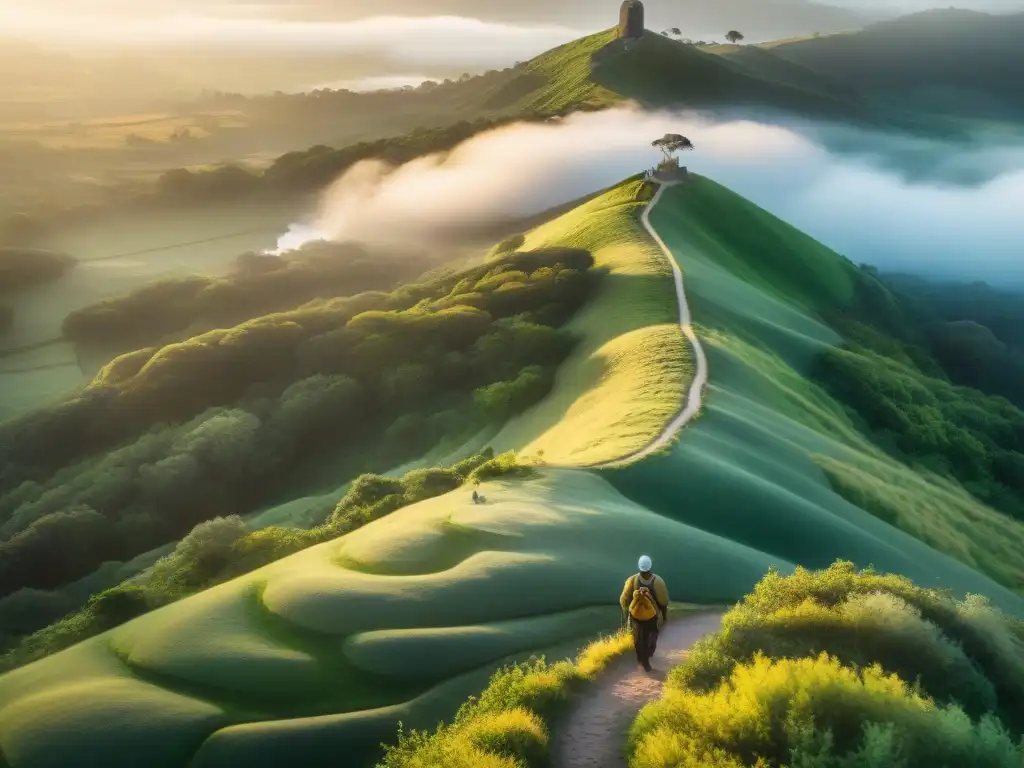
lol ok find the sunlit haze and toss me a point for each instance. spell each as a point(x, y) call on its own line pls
point(414, 40)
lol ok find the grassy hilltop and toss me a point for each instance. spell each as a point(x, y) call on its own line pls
point(322, 652)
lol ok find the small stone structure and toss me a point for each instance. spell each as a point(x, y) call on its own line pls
point(631, 20)
point(668, 170)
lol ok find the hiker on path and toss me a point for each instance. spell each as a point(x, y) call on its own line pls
point(644, 597)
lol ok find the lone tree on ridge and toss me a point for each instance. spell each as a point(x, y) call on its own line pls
point(733, 36)
point(671, 143)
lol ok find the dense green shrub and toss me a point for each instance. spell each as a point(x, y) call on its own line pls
point(199, 557)
point(258, 285)
point(363, 337)
point(467, 466)
point(504, 465)
point(507, 725)
point(119, 604)
point(426, 483)
point(814, 712)
point(54, 548)
point(831, 667)
point(960, 650)
point(24, 267)
point(504, 398)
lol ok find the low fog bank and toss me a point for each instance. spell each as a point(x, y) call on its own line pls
point(416, 41)
point(891, 201)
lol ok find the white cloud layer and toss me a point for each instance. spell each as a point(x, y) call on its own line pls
point(858, 204)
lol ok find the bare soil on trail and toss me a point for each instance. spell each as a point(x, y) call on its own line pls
point(593, 735)
point(694, 399)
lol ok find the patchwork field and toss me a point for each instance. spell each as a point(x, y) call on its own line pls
point(120, 131)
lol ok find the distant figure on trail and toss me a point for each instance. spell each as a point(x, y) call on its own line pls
point(643, 598)
point(477, 498)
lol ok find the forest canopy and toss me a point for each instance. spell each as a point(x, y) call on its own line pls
point(258, 284)
point(220, 549)
point(897, 379)
point(167, 437)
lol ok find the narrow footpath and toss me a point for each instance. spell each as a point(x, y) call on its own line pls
point(594, 733)
point(692, 403)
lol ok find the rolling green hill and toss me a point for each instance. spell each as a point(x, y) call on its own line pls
point(773, 441)
point(892, 74)
point(320, 654)
point(600, 70)
point(768, 65)
point(955, 61)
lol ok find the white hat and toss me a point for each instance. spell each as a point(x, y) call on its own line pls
point(644, 564)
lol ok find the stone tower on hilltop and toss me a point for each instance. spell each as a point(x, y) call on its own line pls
point(631, 19)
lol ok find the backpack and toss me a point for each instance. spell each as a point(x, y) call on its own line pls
point(643, 606)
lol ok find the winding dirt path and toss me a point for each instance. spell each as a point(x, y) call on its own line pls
point(692, 404)
point(594, 733)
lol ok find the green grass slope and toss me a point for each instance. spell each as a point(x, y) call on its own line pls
point(657, 71)
point(630, 370)
point(328, 649)
point(598, 71)
point(753, 468)
point(763, 62)
point(322, 653)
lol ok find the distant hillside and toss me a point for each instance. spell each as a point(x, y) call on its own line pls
point(952, 60)
point(600, 70)
point(768, 65)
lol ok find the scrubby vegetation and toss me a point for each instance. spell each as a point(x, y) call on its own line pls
point(507, 726)
point(847, 669)
point(258, 285)
point(220, 549)
point(166, 438)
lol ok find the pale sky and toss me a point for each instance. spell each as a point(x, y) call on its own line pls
point(435, 39)
point(419, 30)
